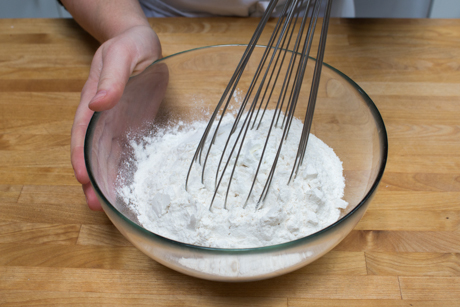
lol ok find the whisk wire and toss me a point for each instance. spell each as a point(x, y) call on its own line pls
point(288, 23)
point(268, 71)
point(242, 107)
point(304, 56)
point(245, 101)
point(313, 95)
point(249, 115)
point(292, 103)
point(238, 71)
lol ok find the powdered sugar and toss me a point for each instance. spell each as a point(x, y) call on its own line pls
point(308, 204)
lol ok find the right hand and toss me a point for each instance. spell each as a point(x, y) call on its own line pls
point(122, 56)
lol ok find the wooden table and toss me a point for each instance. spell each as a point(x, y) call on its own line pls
point(404, 252)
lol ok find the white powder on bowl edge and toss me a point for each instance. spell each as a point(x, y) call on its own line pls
point(311, 202)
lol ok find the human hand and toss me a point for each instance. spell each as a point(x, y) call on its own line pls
point(120, 57)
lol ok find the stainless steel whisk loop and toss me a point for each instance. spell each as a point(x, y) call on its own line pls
point(284, 48)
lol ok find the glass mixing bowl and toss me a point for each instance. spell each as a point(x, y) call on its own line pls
point(186, 86)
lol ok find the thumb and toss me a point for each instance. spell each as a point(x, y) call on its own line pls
point(115, 72)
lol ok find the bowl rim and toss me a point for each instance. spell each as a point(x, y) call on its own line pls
point(373, 109)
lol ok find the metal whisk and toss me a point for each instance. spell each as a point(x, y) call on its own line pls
point(284, 48)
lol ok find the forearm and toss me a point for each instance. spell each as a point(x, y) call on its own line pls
point(105, 19)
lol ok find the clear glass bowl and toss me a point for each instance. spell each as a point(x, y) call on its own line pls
point(184, 85)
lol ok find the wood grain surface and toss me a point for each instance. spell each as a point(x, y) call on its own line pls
point(404, 252)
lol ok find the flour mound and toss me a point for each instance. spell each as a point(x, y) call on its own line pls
point(311, 202)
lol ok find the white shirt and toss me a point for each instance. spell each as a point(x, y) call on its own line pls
point(243, 8)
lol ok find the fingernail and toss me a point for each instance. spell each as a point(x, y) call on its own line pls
point(99, 95)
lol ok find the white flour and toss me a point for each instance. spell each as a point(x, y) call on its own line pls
point(308, 204)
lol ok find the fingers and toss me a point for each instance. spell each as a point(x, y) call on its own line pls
point(82, 118)
point(91, 199)
point(128, 54)
point(114, 74)
point(81, 121)
point(108, 75)
point(111, 68)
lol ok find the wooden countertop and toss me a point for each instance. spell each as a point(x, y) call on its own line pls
point(404, 252)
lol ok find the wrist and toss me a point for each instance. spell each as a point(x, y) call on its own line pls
point(113, 30)
point(105, 19)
